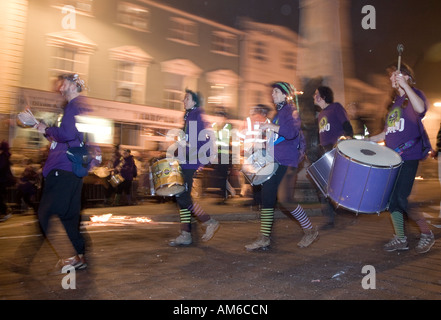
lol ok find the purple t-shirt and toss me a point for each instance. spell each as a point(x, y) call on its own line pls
point(330, 121)
point(286, 149)
point(402, 126)
point(193, 126)
point(60, 136)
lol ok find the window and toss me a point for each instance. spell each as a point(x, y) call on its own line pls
point(259, 51)
point(84, 7)
point(130, 73)
point(64, 60)
point(133, 16)
point(183, 31)
point(223, 89)
point(127, 134)
point(224, 43)
point(289, 60)
point(70, 53)
point(179, 74)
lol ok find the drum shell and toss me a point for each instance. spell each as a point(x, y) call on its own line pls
point(115, 180)
point(259, 167)
point(321, 170)
point(361, 187)
point(167, 177)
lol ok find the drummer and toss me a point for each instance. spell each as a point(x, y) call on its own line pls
point(404, 134)
point(285, 141)
point(193, 116)
point(333, 123)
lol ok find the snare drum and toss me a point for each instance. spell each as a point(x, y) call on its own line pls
point(363, 176)
point(115, 180)
point(167, 177)
point(321, 169)
point(259, 167)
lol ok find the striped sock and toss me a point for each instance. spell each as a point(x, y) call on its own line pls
point(398, 223)
point(266, 221)
point(199, 212)
point(185, 216)
point(300, 215)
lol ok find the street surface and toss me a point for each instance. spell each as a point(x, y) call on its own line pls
point(129, 257)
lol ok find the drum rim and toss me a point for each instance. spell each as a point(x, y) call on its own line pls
point(267, 178)
point(169, 194)
point(339, 151)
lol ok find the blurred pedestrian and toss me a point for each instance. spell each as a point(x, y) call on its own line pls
point(193, 120)
point(285, 141)
point(127, 169)
point(62, 188)
point(7, 179)
point(404, 133)
point(436, 155)
point(27, 187)
point(222, 129)
point(333, 124)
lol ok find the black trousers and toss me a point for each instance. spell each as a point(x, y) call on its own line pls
point(269, 188)
point(403, 188)
point(184, 199)
point(62, 197)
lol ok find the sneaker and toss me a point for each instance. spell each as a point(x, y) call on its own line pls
point(184, 239)
point(262, 242)
point(78, 262)
point(396, 244)
point(212, 227)
point(426, 242)
point(309, 237)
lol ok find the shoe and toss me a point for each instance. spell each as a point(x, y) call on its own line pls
point(77, 261)
point(5, 217)
point(426, 242)
point(396, 244)
point(309, 237)
point(262, 242)
point(184, 239)
point(212, 227)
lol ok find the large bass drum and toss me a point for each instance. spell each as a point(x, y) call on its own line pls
point(363, 176)
point(321, 170)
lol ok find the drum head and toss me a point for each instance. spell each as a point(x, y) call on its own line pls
point(370, 153)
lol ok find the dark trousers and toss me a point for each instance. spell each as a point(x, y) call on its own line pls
point(403, 188)
point(184, 199)
point(62, 197)
point(269, 188)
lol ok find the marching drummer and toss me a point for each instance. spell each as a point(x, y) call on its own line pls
point(404, 134)
point(285, 142)
point(192, 121)
point(333, 123)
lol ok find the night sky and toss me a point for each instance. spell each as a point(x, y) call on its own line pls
point(414, 23)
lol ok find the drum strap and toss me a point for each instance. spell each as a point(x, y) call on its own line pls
point(400, 149)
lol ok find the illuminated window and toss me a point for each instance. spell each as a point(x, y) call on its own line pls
point(133, 16)
point(183, 31)
point(70, 54)
point(179, 74)
point(223, 89)
point(224, 43)
point(130, 73)
point(81, 6)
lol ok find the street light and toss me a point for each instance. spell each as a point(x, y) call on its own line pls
point(437, 104)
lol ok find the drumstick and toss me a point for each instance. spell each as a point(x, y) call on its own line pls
point(400, 49)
